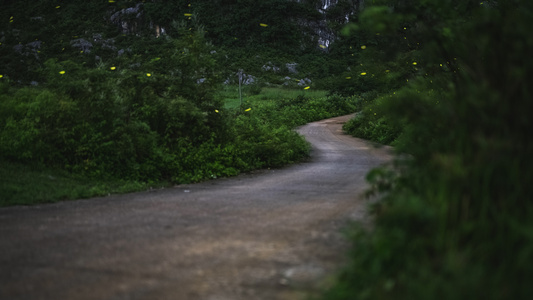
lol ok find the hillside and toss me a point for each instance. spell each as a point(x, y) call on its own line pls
point(250, 34)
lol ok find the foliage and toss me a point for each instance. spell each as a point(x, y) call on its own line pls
point(455, 218)
point(148, 139)
point(91, 88)
point(115, 119)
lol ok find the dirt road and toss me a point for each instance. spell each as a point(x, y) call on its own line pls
point(274, 234)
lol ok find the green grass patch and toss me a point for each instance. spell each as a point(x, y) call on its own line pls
point(230, 94)
point(22, 184)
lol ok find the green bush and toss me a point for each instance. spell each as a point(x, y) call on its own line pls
point(372, 122)
point(455, 215)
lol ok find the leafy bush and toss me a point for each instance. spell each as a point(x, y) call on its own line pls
point(455, 217)
point(372, 122)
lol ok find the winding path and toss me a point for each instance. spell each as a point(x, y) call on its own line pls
point(272, 234)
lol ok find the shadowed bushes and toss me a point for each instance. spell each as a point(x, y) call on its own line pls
point(455, 216)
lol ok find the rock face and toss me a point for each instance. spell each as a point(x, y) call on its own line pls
point(128, 19)
point(322, 31)
point(132, 20)
point(30, 49)
point(326, 35)
point(82, 44)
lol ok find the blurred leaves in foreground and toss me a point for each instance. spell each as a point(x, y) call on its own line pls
point(455, 220)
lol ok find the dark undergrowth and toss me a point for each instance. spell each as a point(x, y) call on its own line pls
point(455, 219)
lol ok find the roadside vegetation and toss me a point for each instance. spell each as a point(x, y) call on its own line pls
point(107, 104)
point(455, 216)
point(53, 150)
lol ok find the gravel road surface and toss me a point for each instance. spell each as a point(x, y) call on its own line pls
point(271, 234)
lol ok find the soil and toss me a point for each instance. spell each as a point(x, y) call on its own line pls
point(271, 234)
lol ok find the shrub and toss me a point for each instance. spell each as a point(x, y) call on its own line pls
point(455, 216)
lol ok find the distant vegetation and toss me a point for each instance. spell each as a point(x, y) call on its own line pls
point(131, 92)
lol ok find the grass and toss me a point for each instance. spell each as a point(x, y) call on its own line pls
point(22, 184)
point(230, 94)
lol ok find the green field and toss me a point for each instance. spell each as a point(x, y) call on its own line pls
point(22, 184)
point(230, 94)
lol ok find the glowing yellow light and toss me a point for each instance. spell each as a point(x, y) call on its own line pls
point(58, 6)
point(113, 68)
point(189, 5)
point(363, 47)
point(187, 15)
point(1, 76)
point(322, 46)
point(414, 63)
point(348, 77)
point(363, 74)
point(148, 74)
point(248, 109)
point(307, 87)
point(216, 110)
point(61, 72)
point(111, 1)
point(263, 25)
